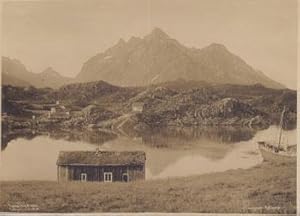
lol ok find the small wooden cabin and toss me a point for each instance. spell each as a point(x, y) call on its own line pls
point(137, 107)
point(103, 166)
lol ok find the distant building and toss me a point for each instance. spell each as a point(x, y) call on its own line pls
point(138, 107)
point(53, 110)
point(101, 166)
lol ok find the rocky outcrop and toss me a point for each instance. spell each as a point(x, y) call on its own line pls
point(227, 111)
point(225, 108)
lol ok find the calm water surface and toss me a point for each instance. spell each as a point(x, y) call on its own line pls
point(170, 152)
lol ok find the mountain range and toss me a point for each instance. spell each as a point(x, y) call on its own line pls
point(159, 58)
point(155, 58)
point(15, 73)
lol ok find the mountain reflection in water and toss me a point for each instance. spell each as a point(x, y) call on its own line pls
point(156, 137)
point(177, 136)
point(93, 137)
point(170, 151)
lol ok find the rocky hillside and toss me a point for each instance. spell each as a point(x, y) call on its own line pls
point(159, 58)
point(25, 93)
point(197, 107)
point(83, 94)
point(13, 96)
point(165, 104)
point(15, 73)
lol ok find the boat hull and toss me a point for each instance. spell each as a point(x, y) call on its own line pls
point(275, 157)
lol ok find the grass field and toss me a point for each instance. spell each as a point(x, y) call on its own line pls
point(266, 188)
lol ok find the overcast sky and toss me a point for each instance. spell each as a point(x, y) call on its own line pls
point(65, 34)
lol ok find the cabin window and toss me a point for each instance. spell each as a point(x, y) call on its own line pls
point(125, 177)
point(108, 177)
point(83, 177)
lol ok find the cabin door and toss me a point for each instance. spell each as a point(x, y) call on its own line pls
point(83, 177)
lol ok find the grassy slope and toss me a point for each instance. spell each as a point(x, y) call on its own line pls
point(265, 188)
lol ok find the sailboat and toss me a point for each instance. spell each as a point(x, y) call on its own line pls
point(277, 152)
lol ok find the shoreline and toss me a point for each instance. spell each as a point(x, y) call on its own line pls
point(264, 188)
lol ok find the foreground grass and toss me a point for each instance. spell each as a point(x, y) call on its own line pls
point(267, 188)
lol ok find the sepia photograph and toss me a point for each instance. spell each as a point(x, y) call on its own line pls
point(148, 107)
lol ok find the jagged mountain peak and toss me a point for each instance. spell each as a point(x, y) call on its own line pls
point(118, 46)
point(157, 33)
point(134, 40)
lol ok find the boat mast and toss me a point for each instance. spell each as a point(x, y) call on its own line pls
point(281, 125)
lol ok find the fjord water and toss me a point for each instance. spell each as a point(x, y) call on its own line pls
point(171, 152)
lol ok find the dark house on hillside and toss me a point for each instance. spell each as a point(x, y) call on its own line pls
point(106, 166)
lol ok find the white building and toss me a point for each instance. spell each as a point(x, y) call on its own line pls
point(137, 107)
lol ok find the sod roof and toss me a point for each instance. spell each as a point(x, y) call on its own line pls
point(101, 158)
